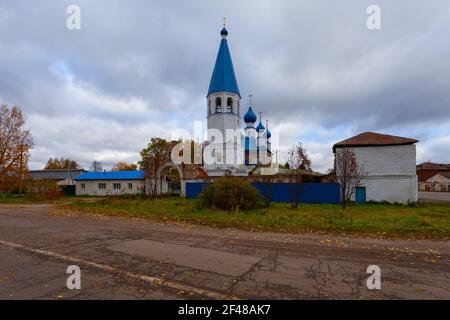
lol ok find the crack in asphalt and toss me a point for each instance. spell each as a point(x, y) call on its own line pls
point(149, 279)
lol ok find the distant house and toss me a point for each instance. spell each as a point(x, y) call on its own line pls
point(426, 171)
point(110, 183)
point(62, 177)
point(438, 182)
point(389, 163)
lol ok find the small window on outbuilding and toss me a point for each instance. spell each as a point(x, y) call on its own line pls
point(117, 186)
point(83, 186)
point(130, 186)
point(102, 185)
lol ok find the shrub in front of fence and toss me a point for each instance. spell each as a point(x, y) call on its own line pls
point(231, 194)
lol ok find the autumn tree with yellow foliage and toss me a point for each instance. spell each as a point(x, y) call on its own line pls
point(15, 146)
point(124, 166)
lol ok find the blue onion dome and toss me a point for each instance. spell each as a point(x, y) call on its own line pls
point(260, 127)
point(224, 32)
point(250, 116)
point(267, 134)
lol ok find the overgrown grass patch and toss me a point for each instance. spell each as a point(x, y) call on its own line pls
point(7, 198)
point(429, 221)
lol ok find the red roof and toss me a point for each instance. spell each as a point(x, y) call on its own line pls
point(433, 166)
point(367, 139)
point(428, 169)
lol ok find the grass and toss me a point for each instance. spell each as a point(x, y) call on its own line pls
point(6, 198)
point(383, 220)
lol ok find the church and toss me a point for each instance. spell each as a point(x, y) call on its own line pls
point(236, 145)
point(242, 146)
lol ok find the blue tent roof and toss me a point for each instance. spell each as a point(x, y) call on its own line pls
point(114, 175)
point(223, 77)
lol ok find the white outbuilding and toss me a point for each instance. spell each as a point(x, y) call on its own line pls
point(389, 165)
point(109, 183)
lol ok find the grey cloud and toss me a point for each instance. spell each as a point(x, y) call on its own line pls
point(311, 61)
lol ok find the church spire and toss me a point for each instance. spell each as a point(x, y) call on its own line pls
point(223, 78)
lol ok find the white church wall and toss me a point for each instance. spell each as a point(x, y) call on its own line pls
point(222, 122)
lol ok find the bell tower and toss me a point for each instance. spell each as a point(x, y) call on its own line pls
point(223, 108)
point(223, 99)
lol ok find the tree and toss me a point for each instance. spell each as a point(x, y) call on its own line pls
point(96, 166)
point(15, 146)
point(60, 164)
point(348, 173)
point(153, 157)
point(299, 164)
point(123, 166)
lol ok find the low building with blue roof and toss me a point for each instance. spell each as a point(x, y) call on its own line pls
point(110, 183)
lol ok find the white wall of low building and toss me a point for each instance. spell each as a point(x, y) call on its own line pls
point(390, 172)
point(395, 189)
point(91, 187)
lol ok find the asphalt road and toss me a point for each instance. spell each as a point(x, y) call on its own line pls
point(137, 259)
point(434, 196)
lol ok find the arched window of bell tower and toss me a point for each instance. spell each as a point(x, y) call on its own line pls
point(218, 104)
point(229, 105)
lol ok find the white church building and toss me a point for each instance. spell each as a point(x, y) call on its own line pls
point(237, 145)
point(233, 149)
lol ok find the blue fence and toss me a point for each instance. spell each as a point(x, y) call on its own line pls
point(327, 193)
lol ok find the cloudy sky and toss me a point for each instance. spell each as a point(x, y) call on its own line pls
point(139, 69)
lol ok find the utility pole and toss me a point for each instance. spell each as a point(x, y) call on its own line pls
point(70, 171)
point(21, 170)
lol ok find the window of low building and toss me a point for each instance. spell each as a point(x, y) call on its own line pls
point(102, 185)
point(116, 186)
point(83, 186)
point(130, 186)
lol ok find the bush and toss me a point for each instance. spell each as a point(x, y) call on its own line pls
point(229, 193)
point(44, 190)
